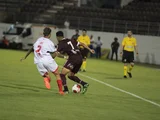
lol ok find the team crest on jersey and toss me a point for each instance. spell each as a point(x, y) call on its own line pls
point(70, 66)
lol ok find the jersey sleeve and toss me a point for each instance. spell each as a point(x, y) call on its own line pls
point(88, 41)
point(51, 47)
point(60, 48)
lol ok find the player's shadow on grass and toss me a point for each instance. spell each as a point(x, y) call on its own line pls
point(19, 87)
point(31, 86)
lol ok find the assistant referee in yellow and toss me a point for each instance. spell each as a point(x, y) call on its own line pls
point(129, 45)
point(84, 38)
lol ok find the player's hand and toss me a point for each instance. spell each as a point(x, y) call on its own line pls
point(92, 51)
point(22, 59)
point(66, 57)
point(137, 53)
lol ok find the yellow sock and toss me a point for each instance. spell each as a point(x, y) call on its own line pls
point(130, 68)
point(84, 65)
point(125, 70)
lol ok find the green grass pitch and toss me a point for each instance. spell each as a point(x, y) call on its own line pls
point(24, 97)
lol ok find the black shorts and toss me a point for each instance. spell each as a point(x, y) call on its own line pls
point(84, 52)
point(74, 64)
point(128, 57)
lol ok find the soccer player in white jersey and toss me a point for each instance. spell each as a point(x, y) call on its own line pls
point(43, 50)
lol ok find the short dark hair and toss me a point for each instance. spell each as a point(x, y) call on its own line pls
point(129, 30)
point(84, 30)
point(116, 38)
point(77, 30)
point(46, 31)
point(59, 34)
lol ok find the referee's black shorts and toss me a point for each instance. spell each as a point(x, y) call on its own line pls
point(128, 57)
point(84, 52)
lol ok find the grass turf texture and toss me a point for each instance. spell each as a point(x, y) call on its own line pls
point(24, 97)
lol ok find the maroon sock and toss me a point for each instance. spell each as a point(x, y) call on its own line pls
point(76, 79)
point(64, 82)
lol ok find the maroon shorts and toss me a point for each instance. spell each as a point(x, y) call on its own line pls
point(73, 65)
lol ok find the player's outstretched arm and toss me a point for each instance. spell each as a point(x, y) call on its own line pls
point(85, 46)
point(29, 51)
point(121, 50)
point(61, 55)
point(136, 49)
point(53, 54)
point(57, 54)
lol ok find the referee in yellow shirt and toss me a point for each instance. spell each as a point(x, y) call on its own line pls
point(129, 45)
point(84, 38)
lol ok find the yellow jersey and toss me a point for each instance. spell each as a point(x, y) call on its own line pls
point(84, 39)
point(129, 43)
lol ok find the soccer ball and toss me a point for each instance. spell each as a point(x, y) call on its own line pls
point(76, 88)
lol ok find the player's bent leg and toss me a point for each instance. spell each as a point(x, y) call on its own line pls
point(125, 70)
point(59, 81)
point(44, 72)
point(47, 80)
point(84, 64)
point(130, 69)
point(85, 85)
point(63, 74)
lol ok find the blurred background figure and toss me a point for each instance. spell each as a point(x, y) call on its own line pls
point(84, 38)
point(66, 29)
point(75, 36)
point(5, 42)
point(98, 47)
point(114, 47)
point(92, 45)
point(67, 24)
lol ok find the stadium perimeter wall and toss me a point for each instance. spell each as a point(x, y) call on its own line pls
point(149, 46)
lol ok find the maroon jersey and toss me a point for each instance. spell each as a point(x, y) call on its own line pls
point(70, 47)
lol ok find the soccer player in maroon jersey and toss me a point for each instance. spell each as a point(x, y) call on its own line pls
point(74, 62)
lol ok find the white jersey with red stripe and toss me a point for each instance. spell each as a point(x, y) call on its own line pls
point(42, 47)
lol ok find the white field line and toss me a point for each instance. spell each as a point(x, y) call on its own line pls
point(116, 88)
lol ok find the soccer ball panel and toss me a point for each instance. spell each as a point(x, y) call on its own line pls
point(76, 88)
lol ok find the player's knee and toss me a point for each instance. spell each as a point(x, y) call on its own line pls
point(56, 72)
point(132, 64)
point(125, 64)
point(85, 58)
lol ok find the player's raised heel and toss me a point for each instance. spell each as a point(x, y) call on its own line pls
point(85, 87)
point(47, 83)
point(130, 74)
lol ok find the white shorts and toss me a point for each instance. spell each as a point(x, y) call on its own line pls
point(45, 67)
